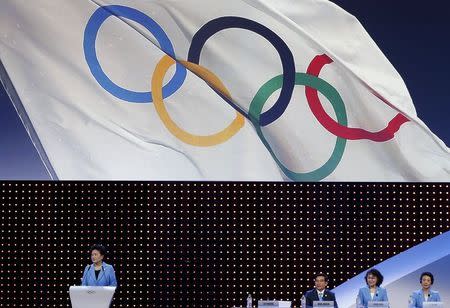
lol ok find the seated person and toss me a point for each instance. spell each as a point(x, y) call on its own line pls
point(320, 292)
point(425, 294)
point(373, 290)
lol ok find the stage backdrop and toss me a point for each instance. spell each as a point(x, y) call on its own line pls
point(197, 244)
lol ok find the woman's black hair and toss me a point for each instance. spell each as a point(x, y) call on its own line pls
point(100, 248)
point(376, 273)
point(427, 274)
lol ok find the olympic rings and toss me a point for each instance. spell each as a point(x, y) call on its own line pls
point(338, 129)
point(331, 94)
point(90, 36)
point(209, 140)
point(287, 59)
point(285, 82)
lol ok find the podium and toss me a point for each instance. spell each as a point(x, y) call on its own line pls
point(91, 297)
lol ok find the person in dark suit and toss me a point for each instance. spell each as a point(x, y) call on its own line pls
point(99, 273)
point(320, 291)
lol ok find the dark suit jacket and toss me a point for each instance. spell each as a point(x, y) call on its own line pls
point(312, 296)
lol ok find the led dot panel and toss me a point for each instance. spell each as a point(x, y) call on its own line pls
point(188, 244)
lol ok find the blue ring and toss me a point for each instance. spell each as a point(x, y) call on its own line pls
point(287, 59)
point(90, 36)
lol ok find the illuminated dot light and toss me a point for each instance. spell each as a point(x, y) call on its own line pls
point(205, 244)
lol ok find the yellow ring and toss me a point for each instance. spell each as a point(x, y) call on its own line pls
point(197, 140)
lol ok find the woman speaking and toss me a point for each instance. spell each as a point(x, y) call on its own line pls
point(99, 273)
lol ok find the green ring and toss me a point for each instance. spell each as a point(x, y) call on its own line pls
point(331, 94)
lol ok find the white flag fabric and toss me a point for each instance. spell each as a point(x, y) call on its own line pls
point(215, 90)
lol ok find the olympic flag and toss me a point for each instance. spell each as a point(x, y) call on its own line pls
point(216, 90)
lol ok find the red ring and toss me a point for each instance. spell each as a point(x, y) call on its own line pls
point(334, 127)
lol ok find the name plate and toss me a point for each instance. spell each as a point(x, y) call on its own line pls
point(267, 304)
point(373, 304)
point(433, 305)
point(323, 304)
point(274, 304)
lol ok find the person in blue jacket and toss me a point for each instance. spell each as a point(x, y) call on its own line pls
point(373, 290)
point(99, 273)
point(425, 294)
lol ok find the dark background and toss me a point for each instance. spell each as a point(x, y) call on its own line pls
point(205, 244)
point(412, 34)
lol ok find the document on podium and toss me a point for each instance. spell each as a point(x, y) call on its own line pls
point(91, 297)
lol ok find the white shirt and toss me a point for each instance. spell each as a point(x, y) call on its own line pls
point(320, 293)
